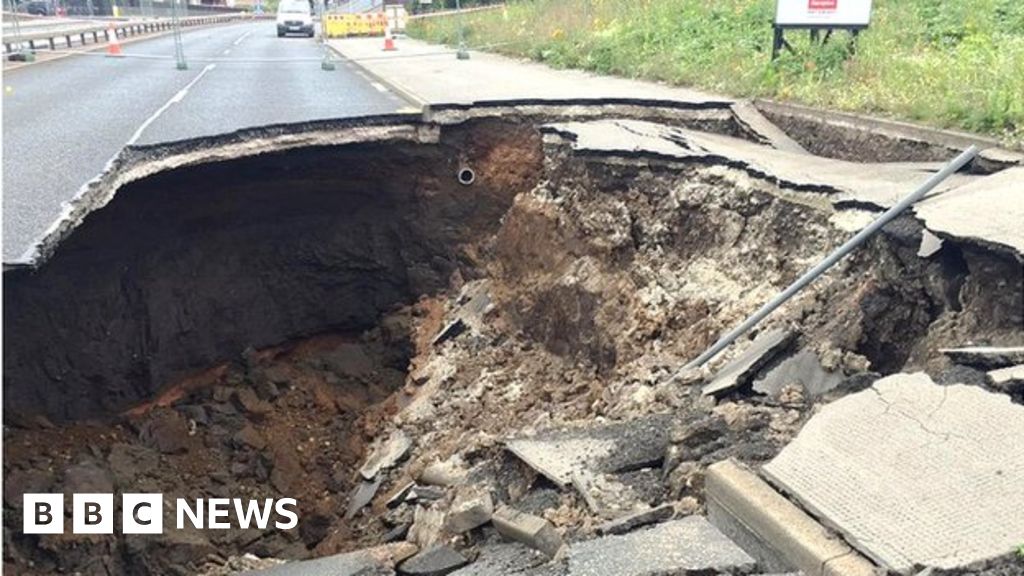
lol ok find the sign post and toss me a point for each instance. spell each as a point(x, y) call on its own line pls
point(818, 15)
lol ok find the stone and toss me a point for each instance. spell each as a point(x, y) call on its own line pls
point(248, 436)
point(739, 371)
point(451, 330)
point(633, 521)
point(87, 478)
point(424, 493)
point(470, 509)
point(802, 368)
point(689, 545)
point(986, 357)
point(535, 532)
point(448, 473)
point(628, 445)
point(361, 496)
point(166, 431)
point(249, 403)
point(912, 473)
point(436, 561)
point(386, 454)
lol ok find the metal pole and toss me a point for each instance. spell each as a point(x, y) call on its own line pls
point(812, 274)
point(462, 54)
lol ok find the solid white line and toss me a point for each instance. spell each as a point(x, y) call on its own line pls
point(380, 87)
point(174, 100)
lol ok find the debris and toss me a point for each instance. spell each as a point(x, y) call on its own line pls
point(689, 545)
point(166, 431)
point(400, 495)
point(636, 520)
point(370, 561)
point(436, 561)
point(250, 403)
point(930, 244)
point(606, 448)
point(424, 493)
point(537, 533)
point(452, 330)
point(986, 357)
point(386, 455)
point(361, 496)
point(917, 459)
point(447, 473)
point(802, 368)
point(426, 527)
point(503, 560)
point(738, 372)
point(470, 508)
point(1009, 380)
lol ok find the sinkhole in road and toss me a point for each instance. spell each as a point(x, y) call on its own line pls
point(246, 327)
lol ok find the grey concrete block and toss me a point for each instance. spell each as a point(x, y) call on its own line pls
point(688, 546)
point(470, 508)
point(739, 371)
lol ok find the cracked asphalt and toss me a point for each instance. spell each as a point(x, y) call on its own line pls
point(65, 119)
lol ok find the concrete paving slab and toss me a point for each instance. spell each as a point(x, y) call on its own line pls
point(1009, 380)
point(687, 546)
point(741, 369)
point(558, 453)
point(378, 561)
point(912, 473)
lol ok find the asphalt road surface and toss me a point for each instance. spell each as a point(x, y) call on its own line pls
point(64, 120)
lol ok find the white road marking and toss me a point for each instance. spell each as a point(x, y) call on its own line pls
point(240, 38)
point(226, 52)
point(174, 100)
point(380, 87)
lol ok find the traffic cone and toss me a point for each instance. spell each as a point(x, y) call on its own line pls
point(114, 46)
point(389, 40)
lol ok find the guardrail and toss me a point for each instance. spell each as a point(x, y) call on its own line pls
point(123, 29)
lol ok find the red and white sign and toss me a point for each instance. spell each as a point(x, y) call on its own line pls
point(836, 13)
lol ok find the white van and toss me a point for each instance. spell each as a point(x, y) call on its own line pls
point(294, 17)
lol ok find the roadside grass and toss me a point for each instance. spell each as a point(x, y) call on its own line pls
point(948, 63)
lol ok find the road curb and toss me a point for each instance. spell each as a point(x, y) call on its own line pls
point(772, 529)
point(404, 93)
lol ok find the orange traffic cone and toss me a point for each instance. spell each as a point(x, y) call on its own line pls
point(389, 40)
point(114, 46)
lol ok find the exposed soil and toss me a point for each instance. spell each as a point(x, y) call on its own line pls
point(253, 325)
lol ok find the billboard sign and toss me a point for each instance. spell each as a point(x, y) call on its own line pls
point(824, 13)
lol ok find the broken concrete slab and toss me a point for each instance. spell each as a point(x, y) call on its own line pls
point(986, 357)
point(378, 561)
point(427, 526)
point(742, 368)
point(470, 509)
point(503, 559)
point(386, 454)
point(687, 546)
point(912, 473)
point(637, 519)
point(750, 117)
point(614, 447)
point(930, 244)
point(436, 561)
point(989, 209)
point(1009, 380)
point(802, 368)
point(533, 531)
point(448, 473)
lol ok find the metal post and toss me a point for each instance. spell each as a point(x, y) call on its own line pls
point(462, 54)
point(327, 64)
point(812, 274)
point(179, 49)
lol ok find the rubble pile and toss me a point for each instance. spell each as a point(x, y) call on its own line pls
point(530, 418)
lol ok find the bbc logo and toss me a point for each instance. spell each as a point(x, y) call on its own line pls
point(93, 514)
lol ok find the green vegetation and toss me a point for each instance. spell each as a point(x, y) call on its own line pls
point(949, 63)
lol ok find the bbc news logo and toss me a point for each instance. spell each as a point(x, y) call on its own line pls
point(143, 513)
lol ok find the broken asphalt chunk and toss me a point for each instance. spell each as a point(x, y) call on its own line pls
point(535, 532)
point(386, 455)
point(741, 369)
point(687, 546)
point(436, 561)
point(614, 447)
point(361, 496)
point(503, 560)
point(912, 473)
point(802, 368)
point(636, 520)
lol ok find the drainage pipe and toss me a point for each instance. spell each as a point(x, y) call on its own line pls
point(812, 274)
